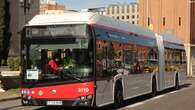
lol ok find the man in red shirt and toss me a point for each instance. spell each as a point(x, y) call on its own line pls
point(53, 64)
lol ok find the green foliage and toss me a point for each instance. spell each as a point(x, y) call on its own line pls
point(68, 62)
point(14, 63)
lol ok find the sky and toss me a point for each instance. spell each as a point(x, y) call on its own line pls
point(83, 4)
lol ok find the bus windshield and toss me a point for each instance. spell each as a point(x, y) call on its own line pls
point(57, 61)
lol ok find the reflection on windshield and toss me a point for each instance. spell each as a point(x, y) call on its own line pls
point(64, 62)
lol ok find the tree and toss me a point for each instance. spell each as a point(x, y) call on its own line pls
point(4, 30)
point(2, 27)
point(7, 33)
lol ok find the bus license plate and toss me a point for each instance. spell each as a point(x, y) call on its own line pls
point(54, 102)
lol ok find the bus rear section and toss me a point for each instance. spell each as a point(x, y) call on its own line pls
point(57, 66)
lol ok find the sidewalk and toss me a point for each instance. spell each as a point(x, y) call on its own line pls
point(11, 94)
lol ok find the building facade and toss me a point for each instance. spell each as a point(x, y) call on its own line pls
point(18, 18)
point(99, 10)
point(124, 12)
point(51, 7)
point(173, 17)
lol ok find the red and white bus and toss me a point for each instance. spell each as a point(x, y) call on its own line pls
point(99, 61)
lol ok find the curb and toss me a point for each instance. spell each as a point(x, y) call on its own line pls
point(9, 99)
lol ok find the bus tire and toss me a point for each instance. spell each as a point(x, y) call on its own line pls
point(154, 90)
point(118, 95)
point(176, 82)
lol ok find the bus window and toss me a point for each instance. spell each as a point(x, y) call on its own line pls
point(115, 58)
point(140, 59)
point(101, 64)
point(72, 59)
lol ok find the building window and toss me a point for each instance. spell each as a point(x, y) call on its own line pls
point(163, 21)
point(123, 9)
point(137, 8)
point(133, 8)
point(133, 16)
point(179, 21)
point(108, 11)
point(123, 17)
point(133, 22)
point(112, 9)
point(148, 21)
point(127, 8)
point(127, 17)
point(117, 9)
point(117, 17)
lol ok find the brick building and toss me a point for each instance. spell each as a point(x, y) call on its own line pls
point(51, 8)
point(173, 17)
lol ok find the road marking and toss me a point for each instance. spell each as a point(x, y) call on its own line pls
point(154, 98)
point(157, 97)
point(173, 92)
point(134, 105)
point(143, 102)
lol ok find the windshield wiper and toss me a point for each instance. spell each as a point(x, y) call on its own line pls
point(68, 74)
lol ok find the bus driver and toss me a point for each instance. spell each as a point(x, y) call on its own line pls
point(53, 64)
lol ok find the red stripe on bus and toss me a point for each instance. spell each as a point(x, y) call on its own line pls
point(65, 91)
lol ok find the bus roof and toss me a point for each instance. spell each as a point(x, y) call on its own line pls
point(171, 41)
point(89, 18)
point(171, 38)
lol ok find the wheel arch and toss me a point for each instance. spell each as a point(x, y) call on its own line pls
point(121, 83)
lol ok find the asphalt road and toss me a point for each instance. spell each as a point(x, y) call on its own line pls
point(15, 105)
point(182, 99)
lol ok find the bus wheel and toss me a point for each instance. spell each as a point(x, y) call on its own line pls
point(154, 91)
point(176, 82)
point(118, 95)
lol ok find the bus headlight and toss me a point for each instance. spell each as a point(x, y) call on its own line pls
point(83, 98)
point(86, 100)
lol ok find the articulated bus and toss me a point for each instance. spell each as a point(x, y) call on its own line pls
point(99, 60)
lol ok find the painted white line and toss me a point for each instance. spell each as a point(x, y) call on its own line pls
point(135, 105)
point(173, 92)
point(157, 97)
point(154, 98)
point(141, 103)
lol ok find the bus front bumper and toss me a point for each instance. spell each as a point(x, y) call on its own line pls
point(82, 101)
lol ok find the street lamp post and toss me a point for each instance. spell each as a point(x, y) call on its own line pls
point(25, 4)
